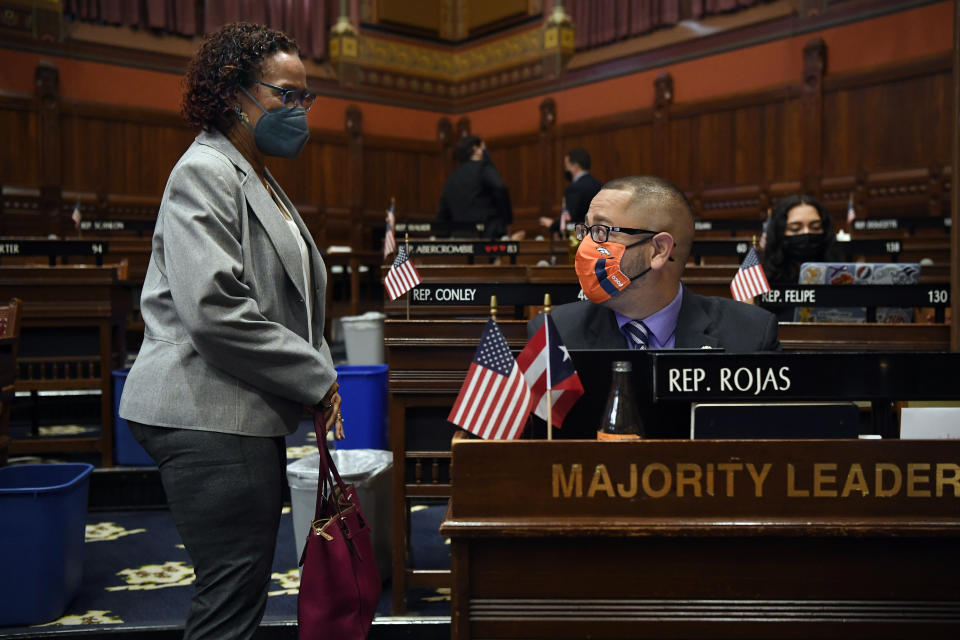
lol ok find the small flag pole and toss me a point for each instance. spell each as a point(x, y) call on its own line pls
point(406, 247)
point(493, 308)
point(546, 313)
point(753, 241)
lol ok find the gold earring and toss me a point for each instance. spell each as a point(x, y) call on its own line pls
point(240, 114)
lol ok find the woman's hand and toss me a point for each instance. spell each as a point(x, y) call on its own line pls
point(330, 405)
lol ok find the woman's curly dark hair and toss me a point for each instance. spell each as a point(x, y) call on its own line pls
point(776, 265)
point(227, 60)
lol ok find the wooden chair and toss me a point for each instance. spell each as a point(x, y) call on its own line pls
point(9, 337)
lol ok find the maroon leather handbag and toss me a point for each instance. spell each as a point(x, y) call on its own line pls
point(339, 582)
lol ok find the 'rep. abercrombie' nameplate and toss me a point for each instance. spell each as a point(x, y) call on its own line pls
point(453, 248)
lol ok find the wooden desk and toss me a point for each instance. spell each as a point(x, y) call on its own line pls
point(793, 539)
point(57, 301)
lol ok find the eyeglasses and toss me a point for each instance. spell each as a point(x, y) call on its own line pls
point(601, 232)
point(293, 97)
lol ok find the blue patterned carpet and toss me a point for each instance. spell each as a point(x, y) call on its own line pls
point(137, 574)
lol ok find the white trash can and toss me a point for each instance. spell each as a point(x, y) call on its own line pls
point(369, 471)
point(363, 336)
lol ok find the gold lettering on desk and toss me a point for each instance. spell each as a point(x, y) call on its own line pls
point(689, 474)
point(953, 480)
point(568, 486)
point(667, 480)
point(792, 491)
point(810, 480)
point(914, 477)
point(632, 490)
point(601, 482)
point(855, 481)
point(729, 468)
point(821, 479)
point(880, 471)
point(758, 478)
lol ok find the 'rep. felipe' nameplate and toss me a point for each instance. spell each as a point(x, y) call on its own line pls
point(705, 376)
point(454, 248)
point(859, 295)
point(508, 293)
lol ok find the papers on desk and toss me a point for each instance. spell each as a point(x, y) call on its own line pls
point(930, 423)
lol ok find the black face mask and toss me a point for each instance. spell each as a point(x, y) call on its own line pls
point(805, 247)
point(568, 175)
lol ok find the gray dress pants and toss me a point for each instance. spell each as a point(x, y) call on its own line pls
point(225, 493)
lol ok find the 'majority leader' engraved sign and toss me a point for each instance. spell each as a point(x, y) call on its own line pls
point(745, 479)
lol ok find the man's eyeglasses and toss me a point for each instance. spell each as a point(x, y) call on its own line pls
point(293, 97)
point(601, 232)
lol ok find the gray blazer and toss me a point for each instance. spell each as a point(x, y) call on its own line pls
point(226, 342)
point(704, 321)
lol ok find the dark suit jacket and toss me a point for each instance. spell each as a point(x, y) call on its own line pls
point(703, 321)
point(476, 193)
point(577, 197)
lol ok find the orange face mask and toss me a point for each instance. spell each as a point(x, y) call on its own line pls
point(598, 268)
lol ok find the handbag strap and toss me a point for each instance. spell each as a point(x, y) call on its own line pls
point(328, 469)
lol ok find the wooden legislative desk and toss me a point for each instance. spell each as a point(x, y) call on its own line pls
point(705, 539)
point(428, 359)
point(72, 337)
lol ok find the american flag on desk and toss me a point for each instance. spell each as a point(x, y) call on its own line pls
point(546, 365)
point(402, 276)
point(494, 401)
point(390, 239)
point(749, 281)
point(76, 216)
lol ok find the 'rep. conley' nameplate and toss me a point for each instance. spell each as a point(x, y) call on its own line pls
point(454, 248)
point(703, 376)
point(508, 293)
point(776, 482)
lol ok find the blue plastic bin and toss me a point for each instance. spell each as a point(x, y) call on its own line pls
point(43, 517)
point(363, 389)
point(126, 450)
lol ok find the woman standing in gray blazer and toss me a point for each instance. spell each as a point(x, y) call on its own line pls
point(233, 307)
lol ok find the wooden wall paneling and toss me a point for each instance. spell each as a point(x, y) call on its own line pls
point(20, 165)
point(749, 129)
point(814, 67)
point(353, 124)
point(783, 136)
point(549, 159)
point(518, 160)
point(663, 98)
point(84, 153)
point(47, 83)
point(683, 162)
point(717, 139)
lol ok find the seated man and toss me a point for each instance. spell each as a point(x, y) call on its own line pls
point(635, 242)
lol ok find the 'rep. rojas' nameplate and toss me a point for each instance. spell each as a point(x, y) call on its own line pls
point(705, 376)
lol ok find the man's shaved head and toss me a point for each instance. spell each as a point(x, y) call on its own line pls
point(659, 205)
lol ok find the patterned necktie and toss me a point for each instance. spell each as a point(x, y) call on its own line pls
point(638, 333)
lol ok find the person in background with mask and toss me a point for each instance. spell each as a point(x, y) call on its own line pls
point(475, 192)
point(233, 308)
point(578, 194)
point(636, 239)
point(798, 231)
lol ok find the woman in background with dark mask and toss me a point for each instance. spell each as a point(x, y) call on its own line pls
point(799, 230)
